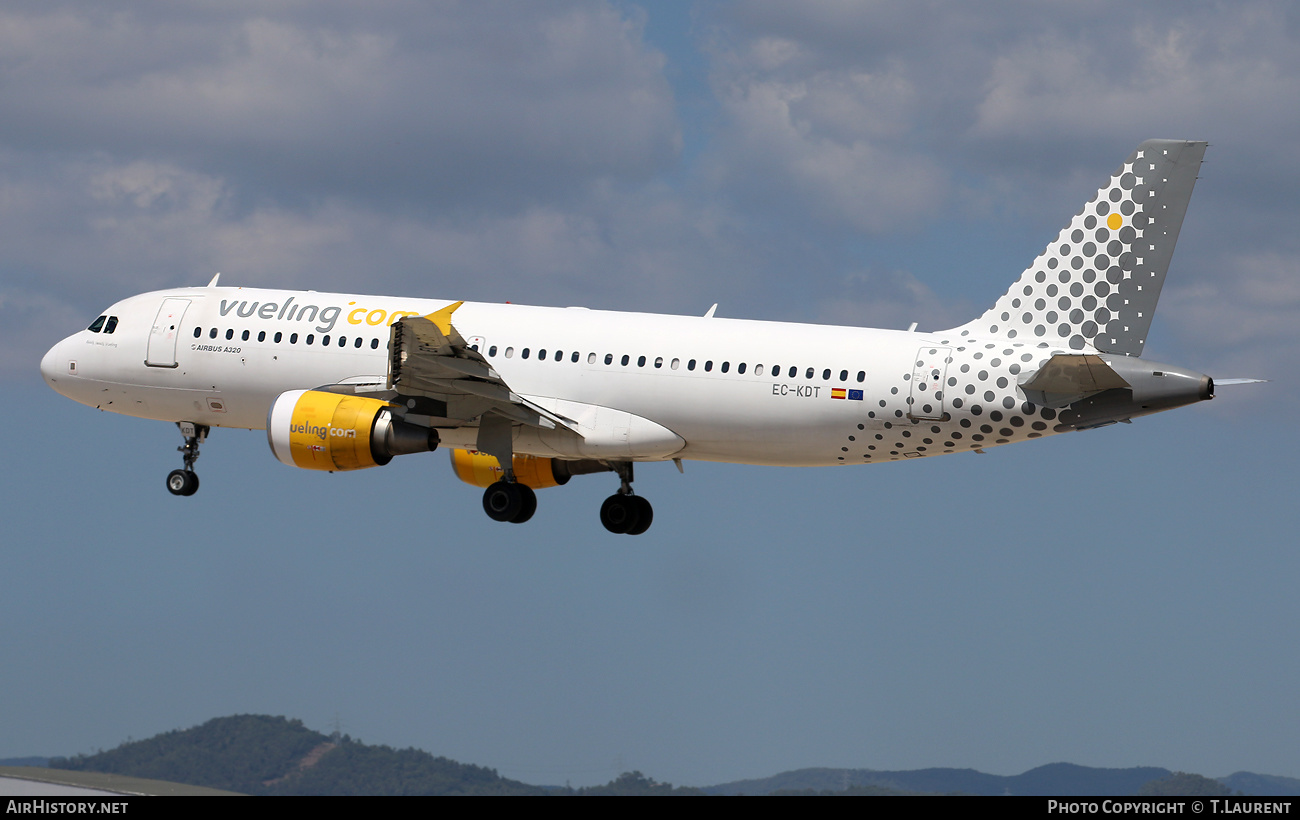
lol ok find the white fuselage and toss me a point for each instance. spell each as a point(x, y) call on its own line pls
point(733, 390)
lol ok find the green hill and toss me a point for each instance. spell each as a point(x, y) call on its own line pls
point(259, 754)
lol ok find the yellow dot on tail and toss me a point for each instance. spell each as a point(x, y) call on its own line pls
point(1114, 221)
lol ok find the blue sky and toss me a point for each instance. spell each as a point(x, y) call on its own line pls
point(1112, 598)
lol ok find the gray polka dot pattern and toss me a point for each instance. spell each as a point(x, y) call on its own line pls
point(1093, 289)
point(1096, 285)
point(988, 410)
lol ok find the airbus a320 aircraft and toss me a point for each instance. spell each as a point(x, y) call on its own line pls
point(527, 397)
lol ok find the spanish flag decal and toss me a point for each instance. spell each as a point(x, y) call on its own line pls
point(838, 393)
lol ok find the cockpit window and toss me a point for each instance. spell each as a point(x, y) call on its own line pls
point(98, 324)
point(112, 324)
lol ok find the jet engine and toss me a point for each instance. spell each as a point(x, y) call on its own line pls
point(483, 470)
point(318, 430)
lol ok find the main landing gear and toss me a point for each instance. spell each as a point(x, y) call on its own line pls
point(509, 501)
point(186, 482)
point(624, 513)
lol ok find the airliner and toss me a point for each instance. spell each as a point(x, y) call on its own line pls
point(527, 397)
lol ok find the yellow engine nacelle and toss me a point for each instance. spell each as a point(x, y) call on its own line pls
point(316, 430)
point(482, 470)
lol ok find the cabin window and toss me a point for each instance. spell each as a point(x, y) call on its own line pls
point(591, 358)
point(559, 356)
point(726, 366)
point(758, 370)
point(198, 331)
point(541, 355)
point(212, 334)
point(574, 358)
point(826, 374)
point(230, 333)
point(325, 340)
point(357, 342)
point(311, 338)
point(844, 375)
point(740, 368)
point(278, 336)
point(261, 335)
point(690, 365)
point(626, 359)
point(675, 364)
point(523, 354)
point(609, 358)
point(640, 361)
point(97, 325)
point(862, 376)
point(809, 374)
point(244, 336)
point(510, 352)
point(293, 338)
point(343, 341)
point(492, 351)
point(659, 361)
point(374, 344)
point(708, 365)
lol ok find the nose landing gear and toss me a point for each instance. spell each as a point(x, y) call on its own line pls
point(186, 482)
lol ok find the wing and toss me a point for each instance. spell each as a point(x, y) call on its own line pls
point(430, 362)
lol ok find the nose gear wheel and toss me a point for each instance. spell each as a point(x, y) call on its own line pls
point(182, 482)
point(186, 482)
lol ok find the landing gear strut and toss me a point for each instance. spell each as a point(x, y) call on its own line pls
point(507, 499)
point(624, 513)
point(185, 482)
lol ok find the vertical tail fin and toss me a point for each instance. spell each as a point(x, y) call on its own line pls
point(1096, 285)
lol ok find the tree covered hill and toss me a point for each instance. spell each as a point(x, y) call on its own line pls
point(264, 755)
point(259, 754)
point(1054, 778)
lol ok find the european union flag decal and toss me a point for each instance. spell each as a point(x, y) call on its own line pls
point(855, 395)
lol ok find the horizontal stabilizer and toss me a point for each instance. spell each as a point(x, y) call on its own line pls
point(1222, 382)
point(1068, 377)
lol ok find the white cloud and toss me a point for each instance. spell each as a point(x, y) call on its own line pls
point(827, 144)
point(892, 299)
point(1254, 301)
point(1148, 78)
point(456, 103)
point(82, 233)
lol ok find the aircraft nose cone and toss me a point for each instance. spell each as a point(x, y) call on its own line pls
point(50, 368)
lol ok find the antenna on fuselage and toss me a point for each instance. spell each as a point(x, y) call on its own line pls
point(709, 313)
point(912, 327)
point(213, 283)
